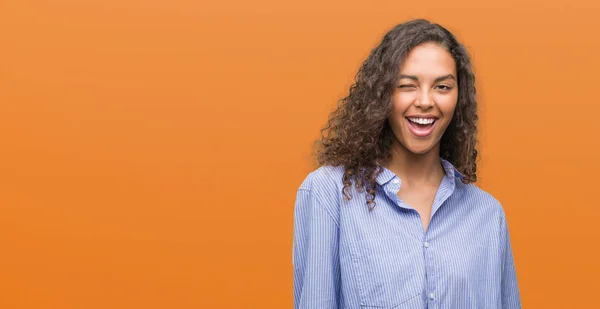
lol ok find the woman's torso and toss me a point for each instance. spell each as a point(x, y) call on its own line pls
point(387, 260)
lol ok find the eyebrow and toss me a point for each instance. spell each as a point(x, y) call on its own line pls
point(439, 79)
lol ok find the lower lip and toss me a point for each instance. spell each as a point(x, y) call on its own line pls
point(421, 132)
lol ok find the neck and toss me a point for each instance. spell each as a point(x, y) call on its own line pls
point(414, 168)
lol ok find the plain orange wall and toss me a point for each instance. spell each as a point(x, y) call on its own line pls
point(151, 150)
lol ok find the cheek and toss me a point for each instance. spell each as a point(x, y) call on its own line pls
point(402, 102)
point(447, 104)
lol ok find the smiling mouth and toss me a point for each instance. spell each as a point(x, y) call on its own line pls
point(421, 127)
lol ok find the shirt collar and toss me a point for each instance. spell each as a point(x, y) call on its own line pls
point(451, 171)
point(386, 175)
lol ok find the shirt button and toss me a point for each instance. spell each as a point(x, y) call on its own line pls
point(396, 181)
point(431, 296)
point(426, 244)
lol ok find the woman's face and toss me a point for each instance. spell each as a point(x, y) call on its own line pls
point(424, 99)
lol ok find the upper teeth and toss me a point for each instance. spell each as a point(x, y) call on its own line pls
point(422, 120)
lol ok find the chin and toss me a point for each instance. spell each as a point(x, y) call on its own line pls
point(419, 149)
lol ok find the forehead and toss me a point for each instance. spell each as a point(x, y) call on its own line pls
point(429, 59)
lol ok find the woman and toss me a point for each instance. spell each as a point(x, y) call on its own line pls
point(391, 219)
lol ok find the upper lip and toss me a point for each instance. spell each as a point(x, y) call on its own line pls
point(423, 116)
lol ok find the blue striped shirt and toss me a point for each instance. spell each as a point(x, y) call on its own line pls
point(347, 257)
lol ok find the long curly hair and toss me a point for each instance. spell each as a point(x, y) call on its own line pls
point(357, 134)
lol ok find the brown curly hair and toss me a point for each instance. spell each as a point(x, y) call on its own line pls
point(357, 134)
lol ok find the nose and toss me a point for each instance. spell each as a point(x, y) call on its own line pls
point(424, 100)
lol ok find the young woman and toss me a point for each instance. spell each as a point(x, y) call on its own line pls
point(391, 218)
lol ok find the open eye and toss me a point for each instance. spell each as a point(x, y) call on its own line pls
point(445, 87)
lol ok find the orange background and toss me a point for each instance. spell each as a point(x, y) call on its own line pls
point(151, 150)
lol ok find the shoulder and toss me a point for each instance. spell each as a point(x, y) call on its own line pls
point(323, 179)
point(324, 186)
point(481, 199)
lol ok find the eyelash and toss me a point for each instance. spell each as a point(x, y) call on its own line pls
point(446, 89)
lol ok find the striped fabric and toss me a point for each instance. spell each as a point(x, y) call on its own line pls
point(347, 257)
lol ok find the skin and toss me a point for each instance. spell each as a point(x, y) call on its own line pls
point(422, 91)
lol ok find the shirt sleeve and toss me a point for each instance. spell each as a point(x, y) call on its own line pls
point(315, 255)
point(511, 298)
